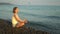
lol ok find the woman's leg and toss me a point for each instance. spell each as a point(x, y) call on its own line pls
point(20, 25)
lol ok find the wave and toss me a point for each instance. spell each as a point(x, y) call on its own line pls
point(45, 27)
point(41, 16)
point(48, 26)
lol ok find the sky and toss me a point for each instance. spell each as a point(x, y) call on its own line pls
point(32, 2)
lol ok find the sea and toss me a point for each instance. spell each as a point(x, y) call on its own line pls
point(40, 17)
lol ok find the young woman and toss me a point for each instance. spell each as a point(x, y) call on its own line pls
point(16, 21)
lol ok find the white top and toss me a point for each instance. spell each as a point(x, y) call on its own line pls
point(14, 21)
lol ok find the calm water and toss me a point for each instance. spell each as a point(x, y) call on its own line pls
point(46, 18)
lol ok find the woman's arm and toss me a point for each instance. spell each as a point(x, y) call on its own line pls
point(18, 19)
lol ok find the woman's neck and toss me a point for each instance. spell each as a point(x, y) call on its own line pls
point(15, 13)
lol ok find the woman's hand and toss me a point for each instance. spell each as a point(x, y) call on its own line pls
point(25, 20)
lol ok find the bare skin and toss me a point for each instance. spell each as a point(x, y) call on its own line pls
point(20, 22)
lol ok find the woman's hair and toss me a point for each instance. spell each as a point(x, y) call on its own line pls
point(14, 9)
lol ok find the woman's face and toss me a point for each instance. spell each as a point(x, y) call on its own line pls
point(16, 10)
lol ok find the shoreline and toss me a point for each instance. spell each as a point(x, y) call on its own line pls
point(6, 28)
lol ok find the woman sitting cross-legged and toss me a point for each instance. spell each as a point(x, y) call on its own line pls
point(16, 21)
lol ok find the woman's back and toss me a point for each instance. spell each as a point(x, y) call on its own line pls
point(14, 21)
